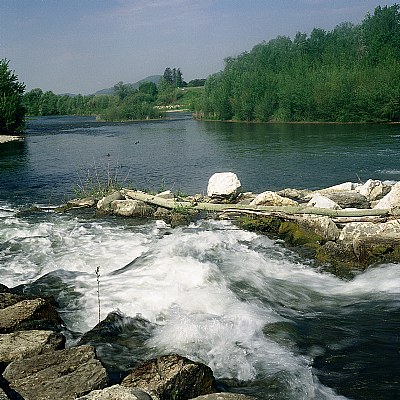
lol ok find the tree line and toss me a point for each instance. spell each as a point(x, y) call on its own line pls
point(349, 74)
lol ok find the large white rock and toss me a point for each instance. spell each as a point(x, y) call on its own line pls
point(391, 200)
point(371, 189)
point(223, 184)
point(320, 201)
point(272, 199)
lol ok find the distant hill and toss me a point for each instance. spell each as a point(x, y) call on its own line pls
point(152, 78)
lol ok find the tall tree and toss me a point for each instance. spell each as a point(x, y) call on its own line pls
point(12, 111)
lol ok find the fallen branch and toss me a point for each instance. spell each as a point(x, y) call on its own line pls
point(290, 210)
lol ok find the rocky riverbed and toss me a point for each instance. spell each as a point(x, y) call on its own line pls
point(343, 228)
point(35, 365)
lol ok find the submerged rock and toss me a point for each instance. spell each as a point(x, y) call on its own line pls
point(172, 377)
point(62, 374)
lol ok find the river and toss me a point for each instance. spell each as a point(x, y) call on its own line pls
point(265, 320)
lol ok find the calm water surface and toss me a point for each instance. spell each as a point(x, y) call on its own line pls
point(266, 321)
point(182, 154)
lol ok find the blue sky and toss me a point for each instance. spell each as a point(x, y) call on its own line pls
point(81, 46)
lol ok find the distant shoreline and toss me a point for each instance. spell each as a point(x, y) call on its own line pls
point(8, 138)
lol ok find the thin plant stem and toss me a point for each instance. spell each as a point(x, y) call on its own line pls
point(98, 291)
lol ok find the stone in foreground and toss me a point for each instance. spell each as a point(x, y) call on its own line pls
point(60, 375)
point(24, 344)
point(116, 392)
point(224, 396)
point(172, 377)
point(29, 314)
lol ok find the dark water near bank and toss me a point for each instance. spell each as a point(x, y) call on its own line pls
point(265, 320)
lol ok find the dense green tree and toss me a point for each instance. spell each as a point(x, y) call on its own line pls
point(12, 111)
point(149, 88)
point(347, 74)
point(32, 101)
point(123, 90)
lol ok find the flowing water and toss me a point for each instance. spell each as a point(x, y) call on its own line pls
point(265, 320)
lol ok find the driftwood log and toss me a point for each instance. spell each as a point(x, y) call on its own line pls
point(264, 210)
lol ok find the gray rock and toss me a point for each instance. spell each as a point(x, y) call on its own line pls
point(61, 375)
point(24, 344)
point(299, 195)
point(368, 230)
point(172, 377)
point(29, 314)
point(269, 198)
point(131, 208)
point(321, 225)
point(349, 199)
point(116, 392)
point(392, 200)
point(224, 184)
point(320, 201)
point(104, 204)
point(373, 189)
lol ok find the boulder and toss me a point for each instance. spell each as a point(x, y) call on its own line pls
point(24, 344)
point(299, 195)
point(349, 199)
point(392, 200)
point(172, 377)
point(30, 314)
point(225, 184)
point(272, 199)
point(131, 208)
point(320, 201)
point(373, 189)
point(116, 392)
point(3, 396)
point(321, 225)
point(62, 374)
point(368, 230)
point(104, 204)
